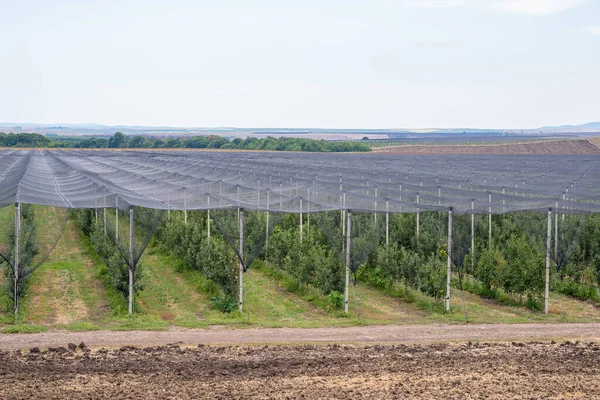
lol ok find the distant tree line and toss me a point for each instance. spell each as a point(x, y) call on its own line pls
point(121, 141)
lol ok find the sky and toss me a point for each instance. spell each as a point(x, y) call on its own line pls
point(301, 63)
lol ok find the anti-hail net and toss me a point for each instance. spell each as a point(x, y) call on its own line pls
point(287, 182)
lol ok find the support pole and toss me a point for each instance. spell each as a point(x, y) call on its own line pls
point(449, 271)
point(418, 213)
point(241, 212)
point(300, 218)
point(208, 217)
point(547, 290)
point(131, 260)
point(347, 287)
point(116, 220)
point(472, 235)
point(556, 235)
point(490, 221)
point(267, 227)
point(185, 207)
point(104, 216)
point(387, 222)
point(16, 266)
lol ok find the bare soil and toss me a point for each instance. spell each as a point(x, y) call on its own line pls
point(575, 146)
point(450, 371)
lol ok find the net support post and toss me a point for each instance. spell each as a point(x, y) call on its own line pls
point(241, 291)
point(418, 213)
point(490, 220)
point(116, 221)
point(547, 283)
point(449, 270)
point(472, 234)
point(556, 234)
point(267, 218)
point(348, 244)
point(208, 218)
point(16, 264)
point(300, 218)
point(387, 222)
point(104, 215)
point(131, 260)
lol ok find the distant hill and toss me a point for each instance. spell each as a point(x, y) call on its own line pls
point(589, 127)
point(99, 130)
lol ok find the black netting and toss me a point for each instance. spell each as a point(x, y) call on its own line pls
point(258, 225)
point(567, 232)
point(366, 229)
point(370, 183)
point(40, 228)
point(131, 239)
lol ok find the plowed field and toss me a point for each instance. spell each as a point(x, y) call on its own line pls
point(433, 371)
point(579, 146)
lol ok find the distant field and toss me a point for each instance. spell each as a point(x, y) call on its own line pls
point(569, 146)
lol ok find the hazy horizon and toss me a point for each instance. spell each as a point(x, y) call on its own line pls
point(383, 64)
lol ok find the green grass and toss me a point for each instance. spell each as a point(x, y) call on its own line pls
point(65, 289)
point(24, 328)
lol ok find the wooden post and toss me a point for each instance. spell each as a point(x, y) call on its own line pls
point(16, 264)
point(131, 260)
point(547, 290)
point(449, 270)
point(347, 287)
point(241, 294)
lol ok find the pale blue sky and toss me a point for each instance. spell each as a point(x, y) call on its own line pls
point(305, 63)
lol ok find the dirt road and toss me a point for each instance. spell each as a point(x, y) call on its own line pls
point(359, 335)
point(434, 371)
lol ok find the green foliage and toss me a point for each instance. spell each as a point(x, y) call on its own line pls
point(116, 273)
point(225, 303)
point(213, 259)
point(120, 140)
point(336, 300)
point(24, 140)
point(310, 261)
point(28, 249)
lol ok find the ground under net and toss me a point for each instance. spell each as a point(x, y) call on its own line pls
point(39, 230)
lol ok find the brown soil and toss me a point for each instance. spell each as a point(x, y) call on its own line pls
point(390, 334)
point(458, 371)
point(576, 146)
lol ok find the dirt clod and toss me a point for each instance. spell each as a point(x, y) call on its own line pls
point(420, 371)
